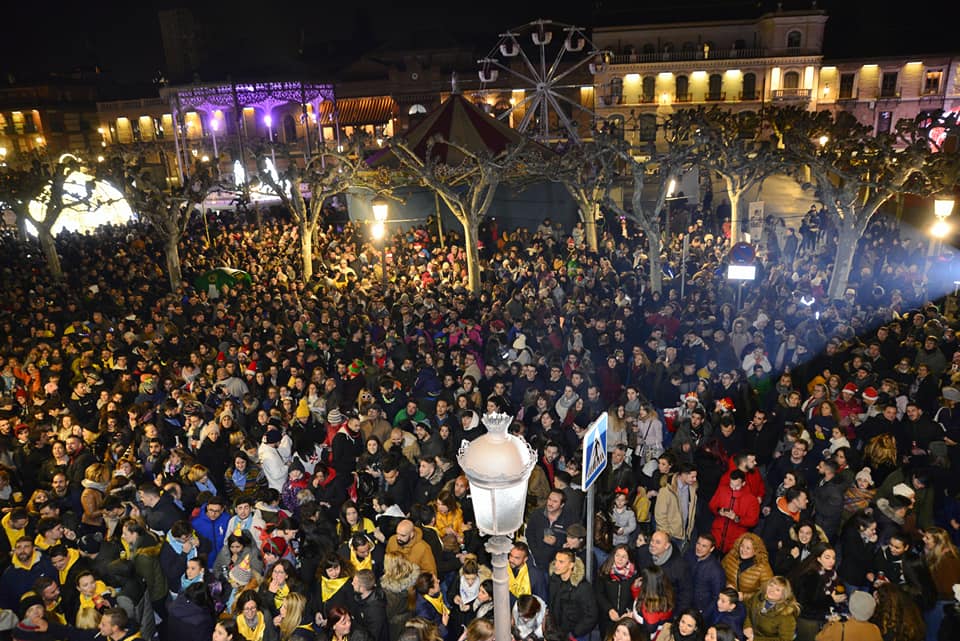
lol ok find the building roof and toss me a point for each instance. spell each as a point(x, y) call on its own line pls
point(374, 110)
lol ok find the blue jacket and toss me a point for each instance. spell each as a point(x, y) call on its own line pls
point(213, 533)
point(707, 578)
point(734, 619)
point(19, 578)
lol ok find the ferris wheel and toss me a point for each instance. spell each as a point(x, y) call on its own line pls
point(546, 60)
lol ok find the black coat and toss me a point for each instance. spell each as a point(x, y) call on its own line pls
point(613, 593)
point(676, 570)
point(572, 603)
point(187, 621)
point(372, 614)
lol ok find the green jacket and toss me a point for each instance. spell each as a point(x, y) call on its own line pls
point(777, 624)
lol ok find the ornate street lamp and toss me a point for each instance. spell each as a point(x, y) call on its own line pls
point(498, 467)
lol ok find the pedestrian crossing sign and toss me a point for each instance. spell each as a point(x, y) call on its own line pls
point(594, 451)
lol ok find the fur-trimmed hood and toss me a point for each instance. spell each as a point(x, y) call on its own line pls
point(401, 581)
point(578, 574)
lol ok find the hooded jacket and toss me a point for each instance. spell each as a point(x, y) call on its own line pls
point(743, 503)
point(416, 550)
point(747, 580)
point(572, 603)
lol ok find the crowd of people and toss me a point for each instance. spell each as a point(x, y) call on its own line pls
point(278, 461)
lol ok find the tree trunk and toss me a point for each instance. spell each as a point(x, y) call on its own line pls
point(471, 234)
point(171, 249)
point(735, 220)
point(653, 257)
point(306, 251)
point(843, 260)
point(590, 215)
point(49, 247)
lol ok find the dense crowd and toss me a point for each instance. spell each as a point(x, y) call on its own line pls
point(277, 460)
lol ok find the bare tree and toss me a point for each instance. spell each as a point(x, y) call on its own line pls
point(678, 154)
point(168, 210)
point(48, 183)
point(854, 172)
point(586, 171)
point(732, 144)
point(325, 174)
point(467, 189)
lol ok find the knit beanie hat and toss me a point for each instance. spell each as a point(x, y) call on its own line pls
point(862, 605)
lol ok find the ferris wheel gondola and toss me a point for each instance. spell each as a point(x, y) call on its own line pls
point(544, 59)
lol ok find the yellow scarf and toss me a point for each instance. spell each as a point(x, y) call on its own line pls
point(519, 582)
point(251, 634)
point(329, 587)
point(13, 534)
point(72, 556)
point(25, 566)
point(52, 610)
point(437, 603)
point(41, 543)
point(361, 564)
point(281, 596)
point(99, 589)
point(127, 553)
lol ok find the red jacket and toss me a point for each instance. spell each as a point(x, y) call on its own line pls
point(744, 504)
point(754, 480)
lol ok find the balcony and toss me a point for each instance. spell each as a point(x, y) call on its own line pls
point(689, 54)
point(750, 95)
point(848, 96)
point(791, 95)
point(610, 101)
point(719, 96)
point(683, 97)
point(889, 95)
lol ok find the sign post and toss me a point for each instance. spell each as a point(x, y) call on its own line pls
point(594, 462)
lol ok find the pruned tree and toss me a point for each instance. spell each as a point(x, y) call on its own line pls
point(53, 186)
point(167, 210)
point(733, 145)
point(586, 171)
point(468, 188)
point(854, 172)
point(678, 154)
point(323, 175)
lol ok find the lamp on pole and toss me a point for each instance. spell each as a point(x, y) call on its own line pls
point(381, 209)
point(214, 128)
point(942, 208)
point(498, 467)
point(268, 121)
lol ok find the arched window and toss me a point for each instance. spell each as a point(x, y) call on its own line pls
point(416, 109)
point(683, 89)
point(289, 129)
point(649, 88)
point(616, 87)
point(614, 126)
point(791, 80)
point(749, 86)
point(793, 39)
point(715, 87)
point(648, 128)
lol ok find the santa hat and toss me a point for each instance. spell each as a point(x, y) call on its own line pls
point(689, 396)
point(870, 394)
point(726, 404)
point(850, 387)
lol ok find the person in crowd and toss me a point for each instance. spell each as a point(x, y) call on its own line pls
point(772, 612)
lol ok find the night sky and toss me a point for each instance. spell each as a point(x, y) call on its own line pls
point(123, 38)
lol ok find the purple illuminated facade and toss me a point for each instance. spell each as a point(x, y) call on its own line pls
point(291, 105)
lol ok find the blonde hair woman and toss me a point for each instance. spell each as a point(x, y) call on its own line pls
point(95, 480)
point(399, 577)
point(291, 615)
point(943, 560)
point(772, 612)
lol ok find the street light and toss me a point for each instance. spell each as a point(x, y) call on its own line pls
point(498, 467)
point(381, 209)
point(214, 128)
point(268, 121)
point(942, 208)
